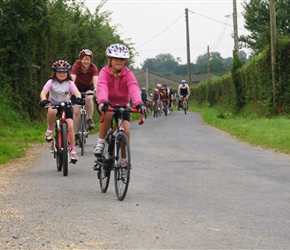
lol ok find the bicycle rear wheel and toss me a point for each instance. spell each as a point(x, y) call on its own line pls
point(64, 149)
point(104, 169)
point(122, 173)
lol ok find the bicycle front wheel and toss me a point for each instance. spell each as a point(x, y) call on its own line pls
point(82, 133)
point(57, 153)
point(122, 171)
point(105, 168)
point(185, 106)
point(64, 149)
point(165, 109)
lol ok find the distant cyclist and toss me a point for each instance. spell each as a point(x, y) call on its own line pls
point(159, 89)
point(144, 97)
point(183, 91)
point(177, 99)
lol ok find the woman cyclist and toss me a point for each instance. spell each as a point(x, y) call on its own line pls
point(59, 87)
point(116, 85)
point(85, 75)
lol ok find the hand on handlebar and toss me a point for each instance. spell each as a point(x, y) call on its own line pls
point(103, 106)
point(44, 103)
point(79, 101)
point(142, 108)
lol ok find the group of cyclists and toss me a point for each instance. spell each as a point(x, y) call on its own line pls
point(115, 84)
point(163, 94)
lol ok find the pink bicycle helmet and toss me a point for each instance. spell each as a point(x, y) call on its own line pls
point(118, 51)
point(61, 66)
point(85, 52)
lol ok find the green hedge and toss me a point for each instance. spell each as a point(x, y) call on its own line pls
point(251, 84)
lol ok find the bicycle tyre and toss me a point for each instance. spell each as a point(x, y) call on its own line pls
point(122, 174)
point(165, 109)
point(82, 134)
point(64, 149)
point(185, 106)
point(155, 110)
point(57, 153)
point(104, 170)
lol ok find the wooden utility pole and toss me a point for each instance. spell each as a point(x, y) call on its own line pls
point(235, 20)
point(273, 31)
point(188, 47)
point(208, 63)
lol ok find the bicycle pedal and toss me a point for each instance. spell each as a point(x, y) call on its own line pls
point(96, 166)
point(73, 161)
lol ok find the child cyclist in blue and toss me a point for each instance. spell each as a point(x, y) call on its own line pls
point(59, 87)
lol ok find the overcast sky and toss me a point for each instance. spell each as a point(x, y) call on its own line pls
point(158, 26)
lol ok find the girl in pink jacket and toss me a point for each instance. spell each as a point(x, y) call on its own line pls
point(116, 85)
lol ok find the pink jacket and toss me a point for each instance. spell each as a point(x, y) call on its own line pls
point(118, 90)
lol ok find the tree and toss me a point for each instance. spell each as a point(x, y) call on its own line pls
point(164, 64)
point(218, 66)
point(257, 21)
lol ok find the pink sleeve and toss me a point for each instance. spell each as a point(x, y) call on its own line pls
point(102, 86)
point(48, 85)
point(134, 90)
point(72, 87)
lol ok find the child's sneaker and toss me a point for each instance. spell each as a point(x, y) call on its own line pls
point(124, 163)
point(73, 157)
point(48, 135)
point(98, 149)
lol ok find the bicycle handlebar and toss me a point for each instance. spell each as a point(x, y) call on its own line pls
point(60, 105)
point(121, 109)
point(84, 94)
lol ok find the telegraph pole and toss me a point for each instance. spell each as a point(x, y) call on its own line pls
point(236, 37)
point(273, 30)
point(188, 47)
point(208, 63)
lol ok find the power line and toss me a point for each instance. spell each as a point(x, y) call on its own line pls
point(213, 19)
point(160, 32)
point(221, 35)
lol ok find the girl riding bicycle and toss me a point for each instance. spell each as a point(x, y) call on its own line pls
point(116, 85)
point(59, 87)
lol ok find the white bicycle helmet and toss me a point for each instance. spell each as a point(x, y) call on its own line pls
point(158, 85)
point(183, 81)
point(85, 52)
point(118, 51)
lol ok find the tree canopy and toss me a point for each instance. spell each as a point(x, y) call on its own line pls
point(35, 33)
point(257, 22)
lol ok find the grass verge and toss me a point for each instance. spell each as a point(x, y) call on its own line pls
point(269, 133)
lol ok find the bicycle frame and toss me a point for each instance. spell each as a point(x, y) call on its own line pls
point(83, 130)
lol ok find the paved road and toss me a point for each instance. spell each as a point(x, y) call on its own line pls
point(192, 187)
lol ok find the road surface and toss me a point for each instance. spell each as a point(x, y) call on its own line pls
point(192, 187)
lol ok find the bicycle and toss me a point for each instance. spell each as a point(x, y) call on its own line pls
point(165, 107)
point(116, 147)
point(155, 108)
point(184, 104)
point(61, 143)
point(83, 129)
